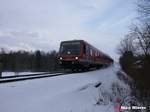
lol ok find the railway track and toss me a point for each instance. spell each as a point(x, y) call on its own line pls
point(29, 77)
point(7, 79)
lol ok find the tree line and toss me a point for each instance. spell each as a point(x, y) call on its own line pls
point(19, 61)
point(135, 54)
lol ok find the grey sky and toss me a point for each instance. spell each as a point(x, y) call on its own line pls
point(42, 24)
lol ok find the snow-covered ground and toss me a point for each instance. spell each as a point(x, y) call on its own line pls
point(69, 93)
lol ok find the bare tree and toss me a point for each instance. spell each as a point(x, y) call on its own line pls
point(138, 40)
point(143, 8)
point(126, 45)
point(141, 36)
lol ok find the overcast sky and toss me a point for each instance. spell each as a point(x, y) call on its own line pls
point(43, 24)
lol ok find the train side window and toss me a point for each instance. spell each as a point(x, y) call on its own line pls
point(84, 49)
point(90, 51)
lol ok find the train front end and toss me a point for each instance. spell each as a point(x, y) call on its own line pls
point(70, 53)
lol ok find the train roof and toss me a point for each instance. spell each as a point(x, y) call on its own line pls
point(71, 40)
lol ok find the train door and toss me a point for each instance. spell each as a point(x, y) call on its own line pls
point(87, 52)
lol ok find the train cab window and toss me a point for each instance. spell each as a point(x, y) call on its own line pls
point(70, 48)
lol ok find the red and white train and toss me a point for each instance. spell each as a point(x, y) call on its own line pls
point(78, 54)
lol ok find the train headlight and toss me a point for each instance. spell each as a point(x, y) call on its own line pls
point(60, 58)
point(76, 58)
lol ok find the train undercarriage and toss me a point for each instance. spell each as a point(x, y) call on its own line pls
point(76, 65)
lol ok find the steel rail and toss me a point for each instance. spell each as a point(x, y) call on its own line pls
point(29, 77)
